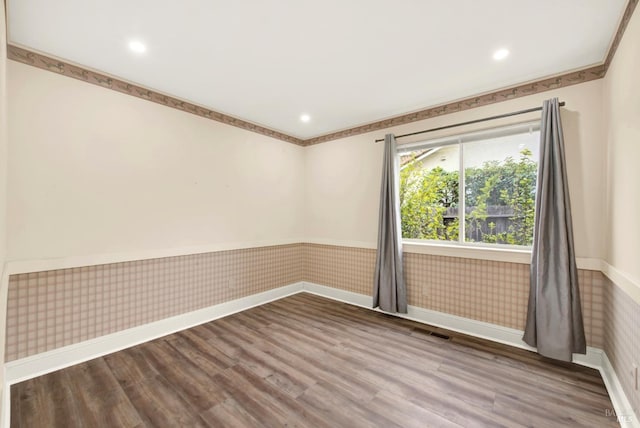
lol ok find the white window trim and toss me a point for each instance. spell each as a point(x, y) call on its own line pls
point(471, 250)
point(510, 254)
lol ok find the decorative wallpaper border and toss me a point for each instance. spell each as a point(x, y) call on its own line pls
point(580, 76)
point(66, 69)
point(573, 78)
point(626, 17)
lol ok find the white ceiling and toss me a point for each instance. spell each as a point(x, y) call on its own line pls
point(344, 63)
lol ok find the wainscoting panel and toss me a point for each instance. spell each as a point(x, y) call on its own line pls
point(345, 268)
point(622, 342)
point(48, 310)
point(52, 309)
point(52, 312)
point(489, 291)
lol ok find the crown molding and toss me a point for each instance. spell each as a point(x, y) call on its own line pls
point(64, 68)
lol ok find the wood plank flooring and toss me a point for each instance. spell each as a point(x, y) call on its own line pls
point(306, 361)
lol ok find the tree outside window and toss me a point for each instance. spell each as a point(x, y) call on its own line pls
point(499, 190)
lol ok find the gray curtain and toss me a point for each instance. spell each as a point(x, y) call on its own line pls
point(389, 290)
point(554, 318)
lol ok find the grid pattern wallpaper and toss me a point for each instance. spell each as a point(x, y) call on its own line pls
point(48, 310)
point(483, 290)
point(622, 339)
point(346, 268)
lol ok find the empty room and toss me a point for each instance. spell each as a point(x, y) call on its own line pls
point(329, 214)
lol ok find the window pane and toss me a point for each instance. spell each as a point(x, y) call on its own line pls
point(500, 184)
point(429, 183)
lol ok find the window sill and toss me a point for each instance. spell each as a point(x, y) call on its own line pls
point(510, 255)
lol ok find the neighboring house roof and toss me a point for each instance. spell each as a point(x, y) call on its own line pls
point(405, 159)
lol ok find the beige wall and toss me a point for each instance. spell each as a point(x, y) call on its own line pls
point(343, 177)
point(621, 94)
point(108, 173)
point(3, 189)
point(622, 120)
point(96, 172)
point(3, 136)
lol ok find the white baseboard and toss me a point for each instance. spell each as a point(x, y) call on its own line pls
point(56, 359)
point(46, 362)
point(483, 330)
point(594, 358)
point(623, 409)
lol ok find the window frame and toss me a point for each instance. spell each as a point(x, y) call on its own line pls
point(459, 140)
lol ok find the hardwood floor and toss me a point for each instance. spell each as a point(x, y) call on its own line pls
point(306, 361)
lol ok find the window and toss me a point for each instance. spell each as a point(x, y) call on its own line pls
point(491, 202)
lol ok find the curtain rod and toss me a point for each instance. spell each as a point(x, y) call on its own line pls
point(484, 119)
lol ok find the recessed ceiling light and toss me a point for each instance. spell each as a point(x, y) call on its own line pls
point(500, 54)
point(305, 118)
point(137, 46)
